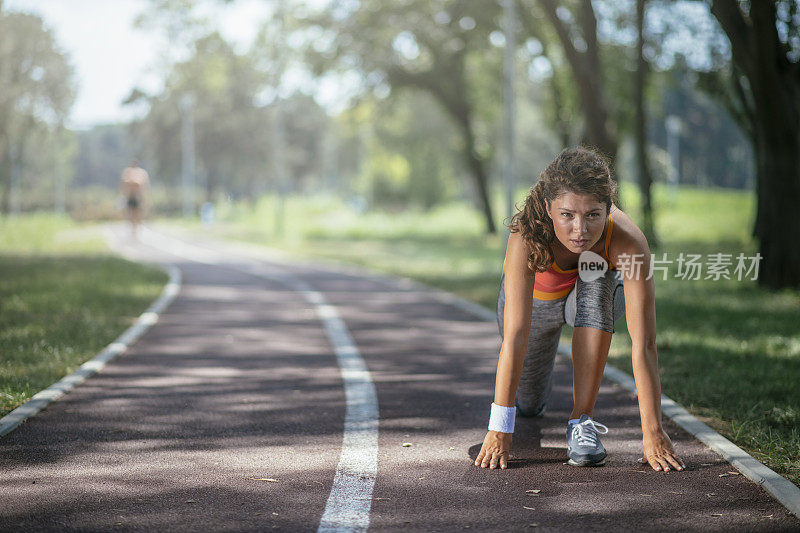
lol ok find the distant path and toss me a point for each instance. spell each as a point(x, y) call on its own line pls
point(239, 380)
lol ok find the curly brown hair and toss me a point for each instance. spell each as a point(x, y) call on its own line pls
point(578, 170)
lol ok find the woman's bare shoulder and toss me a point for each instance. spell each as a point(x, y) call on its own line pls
point(517, 254)
point(626, 237)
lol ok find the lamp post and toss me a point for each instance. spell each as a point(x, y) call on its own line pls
point(279, 160)
point(508, 98)
point(59, 183)
point(187, 154)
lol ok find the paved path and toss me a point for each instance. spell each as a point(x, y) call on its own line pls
point(239, 381)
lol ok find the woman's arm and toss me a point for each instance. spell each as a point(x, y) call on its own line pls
point(640, 313)
point(516, 329)
point(517, 312)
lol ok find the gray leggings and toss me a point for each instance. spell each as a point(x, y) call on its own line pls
point(595, 304)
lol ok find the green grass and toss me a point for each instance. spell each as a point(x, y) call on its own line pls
point(63, 297)
point(729, 351)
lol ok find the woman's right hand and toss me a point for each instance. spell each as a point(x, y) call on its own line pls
point(494, 451)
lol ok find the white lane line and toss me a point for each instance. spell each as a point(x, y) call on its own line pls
point(55, 391)
point(350, 500)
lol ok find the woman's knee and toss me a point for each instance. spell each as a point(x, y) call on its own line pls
point(598, 303)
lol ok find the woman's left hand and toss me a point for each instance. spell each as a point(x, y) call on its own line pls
point(659, 453)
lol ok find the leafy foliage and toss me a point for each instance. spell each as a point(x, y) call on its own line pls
point(35, 95)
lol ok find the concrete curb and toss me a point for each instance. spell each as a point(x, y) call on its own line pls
point(55, 391)
point(778, 486)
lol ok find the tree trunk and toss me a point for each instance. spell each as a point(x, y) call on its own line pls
point(562, 126)
point(645, 178)
point(599, 130)
point(532, 28)
point(478, 170)
point(775, 111)
point(458, 107)
point(585, 66)
point(778, 229)
point(778, 181)
point(5, 179)
point(211, 185)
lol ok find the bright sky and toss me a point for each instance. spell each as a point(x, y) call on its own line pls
point(110, 57)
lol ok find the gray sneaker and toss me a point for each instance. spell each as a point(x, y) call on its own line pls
point(583, 446)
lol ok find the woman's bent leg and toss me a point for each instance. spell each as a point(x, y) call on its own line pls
point(599, 304)
point(589, 354)
point(536, 380)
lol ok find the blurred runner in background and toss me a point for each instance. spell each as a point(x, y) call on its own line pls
point(134, 185)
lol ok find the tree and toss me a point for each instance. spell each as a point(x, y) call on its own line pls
point(103, 152)
point(230, 129)
point(640, 136)
point(411, 157)
point(233, 122)
point(35, 90)
point(558, 107)
point(766, 79)
point(436, 47)
point(579, 41)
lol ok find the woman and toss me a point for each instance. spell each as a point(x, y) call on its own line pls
point(134, 185)
point(571, 211)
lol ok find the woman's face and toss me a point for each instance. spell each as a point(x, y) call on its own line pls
point(578, 220)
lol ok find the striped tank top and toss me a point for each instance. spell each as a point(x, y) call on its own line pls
point(555, 283)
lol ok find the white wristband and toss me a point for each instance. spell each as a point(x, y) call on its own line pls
point(502, 418)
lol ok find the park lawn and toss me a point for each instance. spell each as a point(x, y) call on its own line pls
point(729, 351)
point(63, 298)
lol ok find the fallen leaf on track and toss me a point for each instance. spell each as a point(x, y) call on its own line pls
point(529, 508)
point(264, 479)
point(407, 445)
point(533, 491)
point(716, 514)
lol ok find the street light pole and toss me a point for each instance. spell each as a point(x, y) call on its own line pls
point(278, 153)
point(59, 182)
point(508, 93)
point(279, 134)
point(187, 154)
